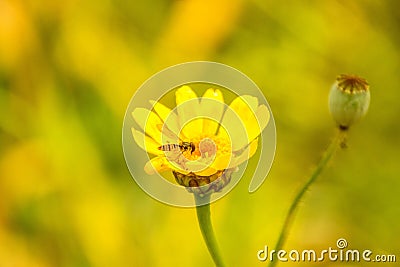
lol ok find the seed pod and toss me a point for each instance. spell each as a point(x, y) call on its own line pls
point(348, 100)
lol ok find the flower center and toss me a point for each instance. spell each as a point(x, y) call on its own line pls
point(207, 147)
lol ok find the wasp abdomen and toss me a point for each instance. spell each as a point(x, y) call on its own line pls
point(169, 147)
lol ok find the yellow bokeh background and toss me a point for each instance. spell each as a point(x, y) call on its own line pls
point(69, 68)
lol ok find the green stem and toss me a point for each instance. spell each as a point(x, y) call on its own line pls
point(204, 218)
point(329, 152)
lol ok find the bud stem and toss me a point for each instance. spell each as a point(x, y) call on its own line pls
point(204, 218)
point(336, 142)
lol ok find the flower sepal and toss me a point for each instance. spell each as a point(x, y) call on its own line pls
point(204, 185)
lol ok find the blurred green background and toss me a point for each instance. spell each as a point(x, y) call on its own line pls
point(69, 68)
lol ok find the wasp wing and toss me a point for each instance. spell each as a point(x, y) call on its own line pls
point(167, 134)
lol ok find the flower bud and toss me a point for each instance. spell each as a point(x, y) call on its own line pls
point(348, 100)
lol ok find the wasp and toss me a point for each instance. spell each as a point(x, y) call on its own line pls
point(174, 151)
point(182, 146)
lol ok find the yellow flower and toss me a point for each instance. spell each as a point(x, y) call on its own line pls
point(196, 138)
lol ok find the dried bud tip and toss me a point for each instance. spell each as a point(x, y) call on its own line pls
point(352, 84)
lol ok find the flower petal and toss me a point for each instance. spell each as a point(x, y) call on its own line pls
point(253, 117)
point(183, 94)
point(263, 116)
point(149, 122)
point(245, 107)
point(167, 116)
point(234, 129)
point(221, 162)
point(212, 105)
point(206, 172)
point(187, 111)
point(245, 155)
point(223, 134)
point(192, 130)
point(157, 164)
point(146, 143)
point(195, 166)
point(202, 167)
point(205, 167)
point(160, 109)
